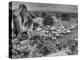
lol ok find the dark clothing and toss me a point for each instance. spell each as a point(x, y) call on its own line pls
point(65, 17)
point(16, 28)
point(48, 20)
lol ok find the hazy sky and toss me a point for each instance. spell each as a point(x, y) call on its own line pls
point(47, 7)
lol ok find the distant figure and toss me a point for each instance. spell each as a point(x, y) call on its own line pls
point(48, 20)
point(65, 17)
point(44, 14)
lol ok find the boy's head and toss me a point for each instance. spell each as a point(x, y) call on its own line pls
point(23, 7)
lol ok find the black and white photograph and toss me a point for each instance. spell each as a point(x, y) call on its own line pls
point(42, 30)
